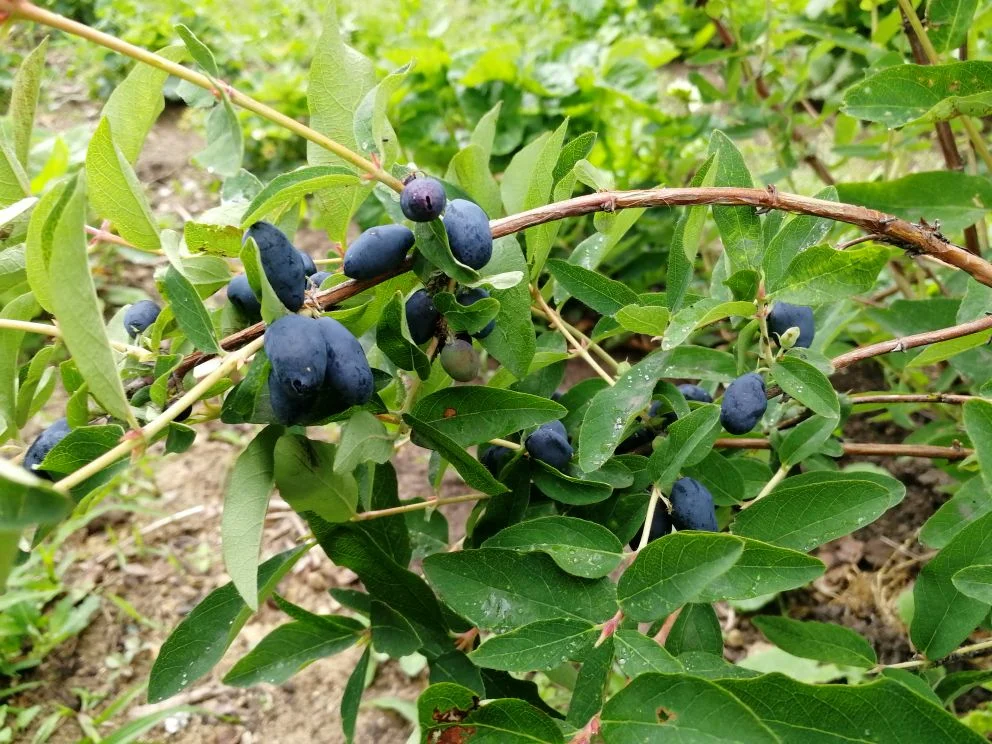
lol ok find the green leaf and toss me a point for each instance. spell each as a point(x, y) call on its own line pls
point(512, 343)
point(673, 570)
point(472, 414)
point(80, 447)
point(201, 639)
point(605, 296)
point(948, 22)
point(807, 384)
point(944, 350)
point(978, 424)
point(470, 469)
point(469, 318)
point(305, 477)
point(587, 695)
point(386, 581)
point(246, 499)
point(900, 94)
point(740, 227)
point(14, 184)
point(614, 408)
point(26, 499)
point(504, 721)
point(808, 510)
point(373, 132)
point(975, 582)
point(883, 711)
point(689, 440)
point(956, 684)
point(352, 697)
point(398, 349)
point(799, 233)
point(686, 239)
point(290, 647)
point(540, 646)
point(527, 183)
point(943, 616)
point(392, 633)
point(805, 439)
point(75, 304)
point(579, 547)
point(500, 590)
point(637, 654)
point(955, 199)
point(648, 319)
point(432, 243)
point(191, 315)
point(41, 230)
point(697, 628)
point(455, 666)
point(655, 707)
point(23, 307)
point(826, 642)
point(822, 274)
point(970, 502)
point(136, 103)
point(199, 51)
point(363, 439)
point(24, 100)
point(225, 143)
point(568, 489)
point(699, 315)
point(761, 569)
point(469, 167)
point(288, 189)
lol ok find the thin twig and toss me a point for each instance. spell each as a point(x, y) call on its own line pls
point(47, 329)
point(863, 448)
point(104, 236)
point(913, 398)
point(419, 506)
point(911, 342)
point(30, 12)
point(575, 344)
point(916, 663)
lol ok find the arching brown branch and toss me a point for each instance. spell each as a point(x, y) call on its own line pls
point(917, 238)
point(863, 448)
point(911, 342)
point(890, 229)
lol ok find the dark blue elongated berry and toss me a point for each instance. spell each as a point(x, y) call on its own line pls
point(696, 393)
point(422, 199)
point(309, 267)
point(288, 408)
point(558, 427)
point(785, 316)
point(494, 457)
point(240, 294)
point(377, 250)
point(470, 297)
point(692, 506)
point(347, 371)
point(139, 316)
point(549, 446)
point(282, 263)
point(42, 445)
point(298, 354)
point(743, 403)
point(467, 226)
point(421, 317)
point(661, 525)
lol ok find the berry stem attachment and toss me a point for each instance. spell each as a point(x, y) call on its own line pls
point(777, 478)
point(649, 518)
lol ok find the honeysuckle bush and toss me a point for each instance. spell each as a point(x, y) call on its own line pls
point(541, 583)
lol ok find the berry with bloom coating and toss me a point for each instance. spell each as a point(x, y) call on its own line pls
point(421, 317)
point(244, 300)
point(469, 237)
point(744, 403)
point(550, 445)
point(377, 250)
point(692, 506)
point(298, 355)
point(347, 371)
point(785, 316)
point(139, 316)
point(422, 199)
point(282, 263)
point(42, 445)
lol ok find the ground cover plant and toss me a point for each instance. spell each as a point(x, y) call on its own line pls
point(710, 435)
